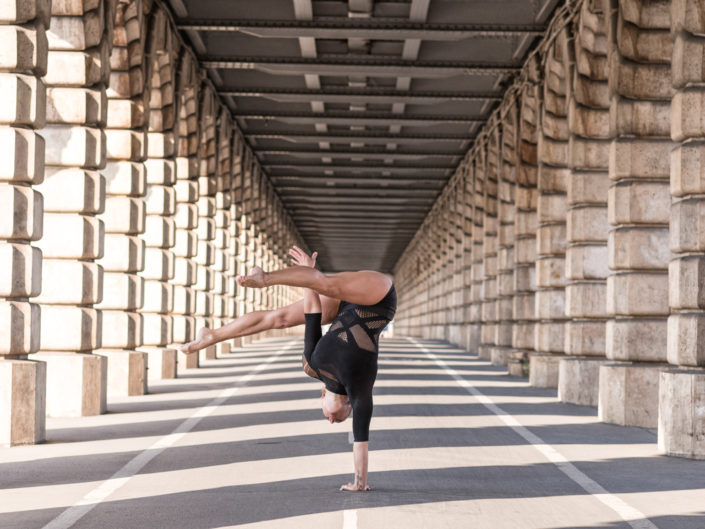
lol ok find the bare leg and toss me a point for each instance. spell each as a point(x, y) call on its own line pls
point(258, 321)
point(363, 288)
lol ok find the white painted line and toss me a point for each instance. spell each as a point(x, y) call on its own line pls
point(629, 514)
point(349, 519)
point(83, 506)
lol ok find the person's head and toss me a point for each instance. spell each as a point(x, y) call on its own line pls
point(336, 408)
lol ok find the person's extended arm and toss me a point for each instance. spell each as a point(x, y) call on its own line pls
point(360, 461)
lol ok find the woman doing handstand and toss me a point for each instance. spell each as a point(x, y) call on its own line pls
point(359, 305)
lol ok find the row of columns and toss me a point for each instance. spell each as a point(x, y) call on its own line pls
point(132, 204)
point(583, 247)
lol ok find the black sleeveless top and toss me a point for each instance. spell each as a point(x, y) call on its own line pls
point(345, 359)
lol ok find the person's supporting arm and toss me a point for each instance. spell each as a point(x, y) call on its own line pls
point(360, 461)
point(362, 415)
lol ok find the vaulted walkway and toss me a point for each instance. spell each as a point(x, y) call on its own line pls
point(240, 442)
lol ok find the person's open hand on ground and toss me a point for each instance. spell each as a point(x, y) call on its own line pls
point(301, 258)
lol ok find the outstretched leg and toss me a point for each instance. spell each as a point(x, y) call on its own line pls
point(259, 321)
point(365, 287)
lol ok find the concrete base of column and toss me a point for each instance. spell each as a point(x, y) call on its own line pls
point(186, 361)
point(22, 402)
point(499, 355)
point(209, 353)
point(222, 349)
point(236, 342)
point(484, 352)
point(127, 372)
point(161, 362)
point(629, 394)
point(77, 383)
point(543, 370)
point(681, 421)
point(518, 364)
point(438, 332)
point(579, 380)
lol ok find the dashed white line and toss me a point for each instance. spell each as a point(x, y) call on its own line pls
point(634, 517)
point(83, 506)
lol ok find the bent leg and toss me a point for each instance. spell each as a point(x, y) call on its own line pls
point(259, 321)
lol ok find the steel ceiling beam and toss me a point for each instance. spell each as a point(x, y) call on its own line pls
point(371, 29)
point(346, 95)
point(382, 202)
point(354, 65)
point(368, 137)
point(358, 153)
point(358, 118)
point(308, 166)
point(381, 192)
point(326, 181)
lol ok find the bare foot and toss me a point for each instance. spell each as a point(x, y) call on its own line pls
point(203, 339)
point(254, 280)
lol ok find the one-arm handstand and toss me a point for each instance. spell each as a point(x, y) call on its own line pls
point(359, 304)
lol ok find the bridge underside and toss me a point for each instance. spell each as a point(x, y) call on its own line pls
point(530, 173)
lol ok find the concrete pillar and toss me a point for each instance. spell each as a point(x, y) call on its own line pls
point(223, 199)
point(467, 248)
point(638, 210)
point(505, 238)
point(207, 187)
point(74, 189)
point(551, 239)
point(160, 224)
point(478, 215)
point(234, 290)
point(525, 227)
point(23, 63)
point(490, 318)
point(186, 218)
point(125, 205)
point(587, 226)
point(681, 424)
point(455, 277)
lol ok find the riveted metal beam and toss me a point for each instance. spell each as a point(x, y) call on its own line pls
point(369, 66)
point(368, 137)
point(345, 95)
point(359, 153)
point(372, 29)
point(357, 118)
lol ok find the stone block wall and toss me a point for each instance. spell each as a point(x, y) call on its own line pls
point(123, 172)
point(605, 218)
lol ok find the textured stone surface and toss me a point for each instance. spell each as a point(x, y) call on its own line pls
point(681, 422)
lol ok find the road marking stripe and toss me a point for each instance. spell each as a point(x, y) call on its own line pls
point(349, 519)
point(631, 515)
point(83, 506)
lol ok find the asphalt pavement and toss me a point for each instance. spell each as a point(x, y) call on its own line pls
point(241, 442)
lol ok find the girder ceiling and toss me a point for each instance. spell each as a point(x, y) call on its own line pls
point(360, 110)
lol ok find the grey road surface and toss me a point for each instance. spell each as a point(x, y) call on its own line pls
point(241, 442)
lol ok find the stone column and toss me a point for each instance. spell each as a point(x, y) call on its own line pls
point(489, 246)
point(467, 207)
point(186, 218)
point(74, 189)
point(245, 294)
point(525, 227)
point(478, 215)
point(456, 281)
point(124, 216)
point(587, 227)
point(222, 241)
point(234, 290)
point(505, 239)
point(207, 187)
point(160, 225)
point(23, 26)
point(681, 423)
point(638, 209)
point(551, 215)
